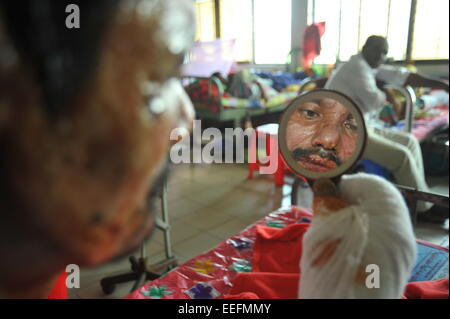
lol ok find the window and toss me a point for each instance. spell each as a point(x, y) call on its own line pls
point(204, 19)
point(236, 23)
point(272, 36)
point(397, 36)
point(350, 22)
point(349, 31)
point(327, 11)
point(389, 18)
point(262, 28)
point(373, 19)
point(430, 37)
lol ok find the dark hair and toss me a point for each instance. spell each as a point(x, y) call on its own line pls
point(60, 59)
point(374, 41)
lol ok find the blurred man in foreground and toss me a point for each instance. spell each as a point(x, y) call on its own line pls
point(85, 116)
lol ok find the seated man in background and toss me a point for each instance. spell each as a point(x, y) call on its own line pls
point(397, 151)
point(85, 118)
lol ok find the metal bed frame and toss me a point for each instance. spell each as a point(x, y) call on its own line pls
point(141, 271)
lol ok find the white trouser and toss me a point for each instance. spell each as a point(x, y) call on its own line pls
point(400, 153)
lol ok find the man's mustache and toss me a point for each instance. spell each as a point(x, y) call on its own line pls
point(300, 153)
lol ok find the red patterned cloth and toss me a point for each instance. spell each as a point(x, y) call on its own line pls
point(284, 286)
point(275, 276)
point(253, 264)
point(437, 289)
point(278, 250)
point(212, 274)
point(204, 93)
point(265, 285)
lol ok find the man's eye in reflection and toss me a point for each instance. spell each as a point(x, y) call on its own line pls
point(308, 114)
point(350, 123)
point(350, 126)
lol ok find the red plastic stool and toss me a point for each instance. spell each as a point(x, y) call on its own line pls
point(270, 133)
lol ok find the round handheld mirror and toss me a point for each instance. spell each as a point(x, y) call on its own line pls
point(322, 134)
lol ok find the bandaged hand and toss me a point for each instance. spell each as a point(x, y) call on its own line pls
point(361, 222)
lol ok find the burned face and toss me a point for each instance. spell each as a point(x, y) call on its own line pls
point(321, 135)
point(90, 166)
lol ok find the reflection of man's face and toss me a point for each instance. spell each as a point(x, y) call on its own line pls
point(321, 135)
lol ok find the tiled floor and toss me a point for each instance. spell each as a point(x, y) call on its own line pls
point(209, 203)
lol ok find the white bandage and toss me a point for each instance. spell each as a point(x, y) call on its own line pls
point(375, 229)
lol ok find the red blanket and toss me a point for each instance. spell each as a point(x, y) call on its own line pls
point(276, 275)
point(278, 250)
point(258, 262)
point(437, 289)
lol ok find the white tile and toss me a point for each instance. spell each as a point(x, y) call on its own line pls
point(206, 219)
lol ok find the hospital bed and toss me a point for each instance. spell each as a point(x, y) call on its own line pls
point(419, 127)
point(212, 103)
point(141, 270)
point(212, 274)
point(207, 93)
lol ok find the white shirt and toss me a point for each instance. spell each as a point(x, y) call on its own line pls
point(357, 80)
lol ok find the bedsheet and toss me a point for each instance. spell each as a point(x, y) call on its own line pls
point(212, 97)
point(211, 275)
point(426, 122)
